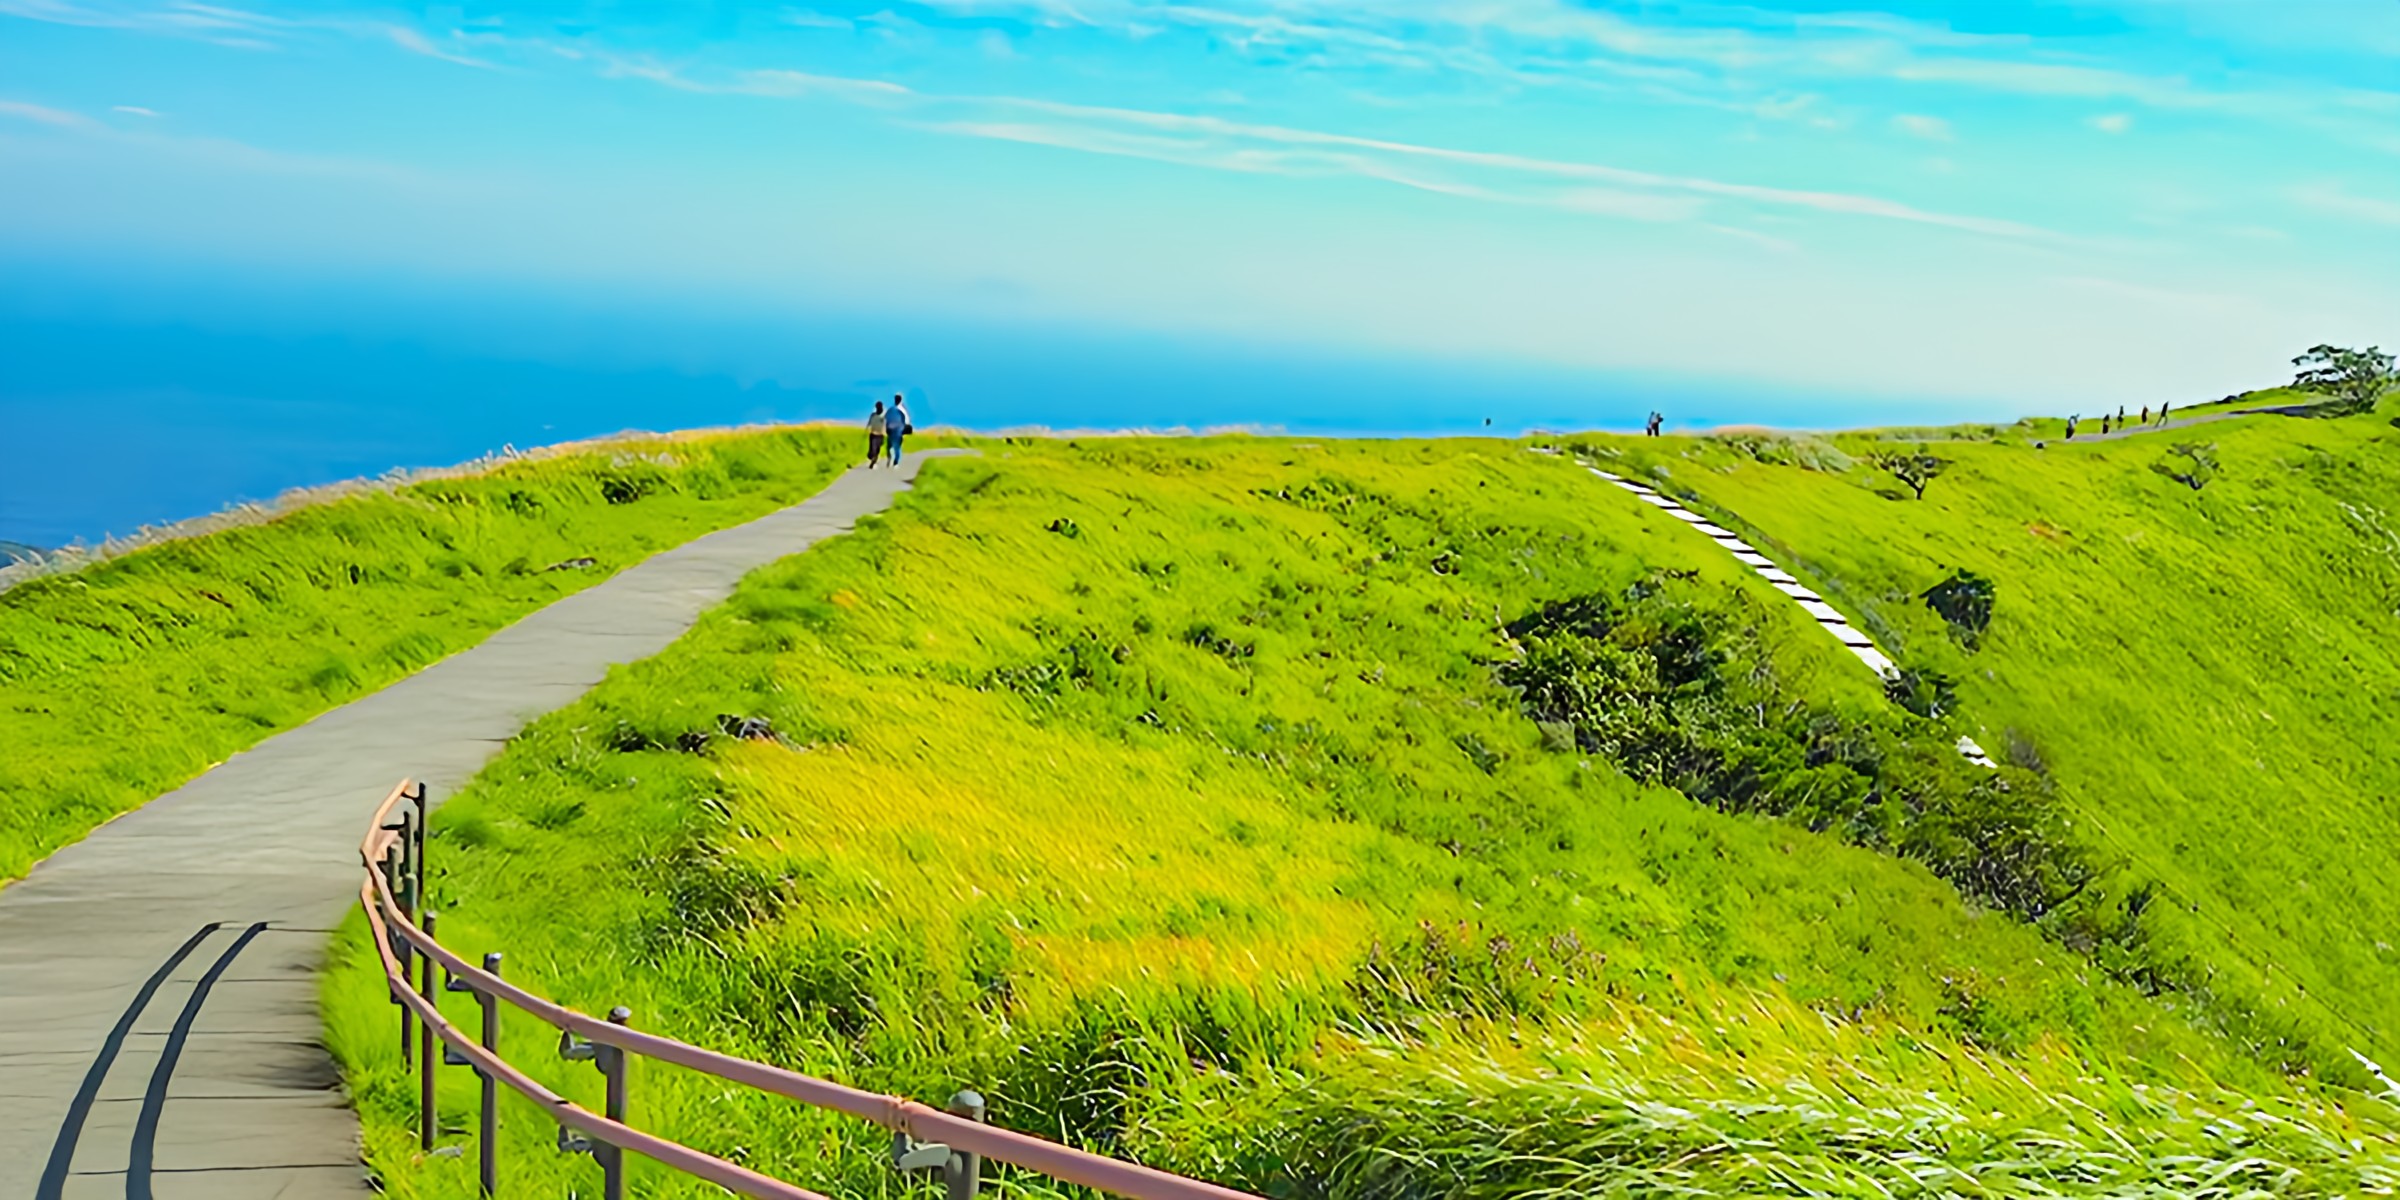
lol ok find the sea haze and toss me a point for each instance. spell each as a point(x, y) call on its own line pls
point(131, 400)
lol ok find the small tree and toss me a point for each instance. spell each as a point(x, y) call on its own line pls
point(1965, 601)
point(2355, 379)
point(2190, 463)
point(1915, 468)
point(1927, 693)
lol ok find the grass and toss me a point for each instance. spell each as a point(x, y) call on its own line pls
point(120, 681)
point(2209, 676)
point(1166, 792)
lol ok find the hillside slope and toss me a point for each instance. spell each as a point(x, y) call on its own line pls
point(1171, 793)
point(120, 681)
point(2211, 676)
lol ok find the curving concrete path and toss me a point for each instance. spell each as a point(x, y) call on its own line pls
point(2138, 428)
point(1827, 617)
point(158, 996)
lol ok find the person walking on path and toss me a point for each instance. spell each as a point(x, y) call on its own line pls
point(875, 423)
point(2162, 411)
point(896, 426)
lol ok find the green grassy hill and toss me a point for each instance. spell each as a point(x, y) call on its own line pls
point(1417, 819)
point(2210, 676)
point(121, 681)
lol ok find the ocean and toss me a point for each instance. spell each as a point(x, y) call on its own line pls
point(127, 401)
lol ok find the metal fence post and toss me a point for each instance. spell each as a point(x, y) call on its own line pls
point(425, 1080)
point(963, 1174)
point(400, 949)
point(489, 1168)
point(488, 1115)
point(612, 1064)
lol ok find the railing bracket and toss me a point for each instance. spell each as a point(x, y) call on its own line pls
point(910, 1155)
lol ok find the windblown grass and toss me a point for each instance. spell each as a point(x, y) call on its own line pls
point(124, 679)
point(2211, 677)
point(1164, 792)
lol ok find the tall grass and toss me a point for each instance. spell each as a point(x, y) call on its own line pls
point(124, 679)
point(1165, 792)
point(2211, 677)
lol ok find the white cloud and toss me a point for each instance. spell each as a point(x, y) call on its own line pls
point(134, 110)
point(1566, 171)
point(41, 114)
point(2330, 198)
point(225, 152)
point(786, 84)
point(2113, 122)
point(1219, 144)
point(1932, 129)
point(416, 43)
point(1755, 238)
point(806, 18)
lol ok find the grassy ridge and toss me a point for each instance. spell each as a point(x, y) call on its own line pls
point(1165, 792)
point(2210, 676)
point(173, 658)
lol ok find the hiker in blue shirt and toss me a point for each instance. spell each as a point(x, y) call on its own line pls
point(895, 424)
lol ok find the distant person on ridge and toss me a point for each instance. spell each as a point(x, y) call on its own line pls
point(875, 436)
point(2071, 426)
point(2145, 414)
point(895, 426)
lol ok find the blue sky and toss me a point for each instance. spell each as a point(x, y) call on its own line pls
point(2009, 204)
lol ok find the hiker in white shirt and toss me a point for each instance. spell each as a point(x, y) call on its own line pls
point(895, 426)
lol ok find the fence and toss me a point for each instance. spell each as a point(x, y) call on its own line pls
point(418, 969)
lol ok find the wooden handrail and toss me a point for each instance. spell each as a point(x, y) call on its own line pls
point(387, 918)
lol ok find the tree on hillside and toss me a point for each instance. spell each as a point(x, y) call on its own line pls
point(2190, 463)
point(1915, 468)
point(2355, 379)
point(1965, 601)
point(1927, 693)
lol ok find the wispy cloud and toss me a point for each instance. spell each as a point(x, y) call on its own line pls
point(229, 153)
point(809, 18)
point(239, 28)
point(134, 110)
point(1577, 186)
point(2113, 122)
point(56, 118)
point(1932, 129)
point(2333, 199)
point(1216, 143)
point(416, 43)
point(1717, 57)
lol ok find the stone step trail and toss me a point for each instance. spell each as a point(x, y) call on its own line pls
point(1827, 617)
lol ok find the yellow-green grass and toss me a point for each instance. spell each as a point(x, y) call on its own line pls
point(121, 681)
point(1156, 787)
point(2212, 677)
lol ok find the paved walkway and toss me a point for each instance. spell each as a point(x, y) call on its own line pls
point(2139, 428)
point(158, 992)
point(1827, 617)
